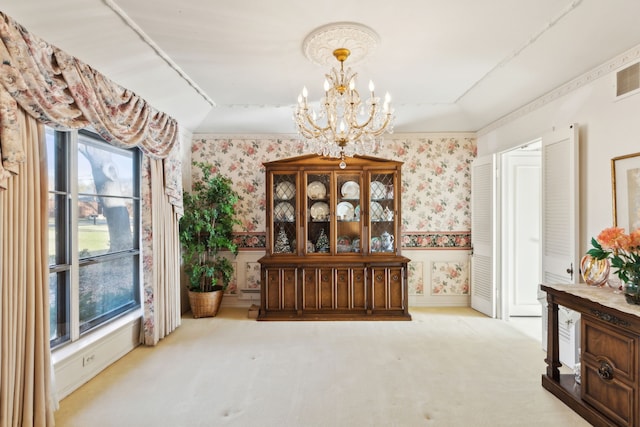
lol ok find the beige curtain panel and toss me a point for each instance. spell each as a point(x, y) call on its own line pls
point(40, 84)
point(26, 395)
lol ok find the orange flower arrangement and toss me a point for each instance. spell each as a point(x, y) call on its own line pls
point(622, 249)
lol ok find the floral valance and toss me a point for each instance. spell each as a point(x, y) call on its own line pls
point(62, 92)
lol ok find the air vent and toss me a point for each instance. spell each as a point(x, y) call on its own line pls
point(628, 79)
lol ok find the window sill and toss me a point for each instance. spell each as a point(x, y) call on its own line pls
point(91, 338)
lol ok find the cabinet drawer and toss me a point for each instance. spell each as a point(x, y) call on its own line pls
point(388, 288)
point(272, 288)
point(310, 289)
point(609, 371)
point(614, 398)
point(318, 289)
point(359, 290)
point(280, 289)
point(601, 341)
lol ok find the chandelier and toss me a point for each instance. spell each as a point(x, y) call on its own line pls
point(344, 125)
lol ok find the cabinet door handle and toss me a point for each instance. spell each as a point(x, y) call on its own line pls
point(605, 371)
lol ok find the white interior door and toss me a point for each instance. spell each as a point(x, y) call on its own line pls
point(483, 284)
point(520, 224)
point(560, 257)
point(560, 202)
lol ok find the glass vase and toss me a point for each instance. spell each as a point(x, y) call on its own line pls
point(595, 272)
point(632, 292)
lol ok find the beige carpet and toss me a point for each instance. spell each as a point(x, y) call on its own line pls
point(447, 367)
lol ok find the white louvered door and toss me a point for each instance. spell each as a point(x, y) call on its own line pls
point(560, 198)
point(560, 257)
point(483, 285)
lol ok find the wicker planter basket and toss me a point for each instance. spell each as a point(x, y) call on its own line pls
point(205, 304)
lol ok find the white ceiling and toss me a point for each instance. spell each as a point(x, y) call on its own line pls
point(450, 65)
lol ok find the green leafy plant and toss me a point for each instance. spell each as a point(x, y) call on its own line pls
point(206, 228)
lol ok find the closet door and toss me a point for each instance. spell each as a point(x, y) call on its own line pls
point(560, 202)
point(483, 277)
point(560, 256)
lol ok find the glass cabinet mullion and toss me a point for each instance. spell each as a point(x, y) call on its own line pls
point(382, 211)
point(318, 212)
point(284, 213)
point(348, 212)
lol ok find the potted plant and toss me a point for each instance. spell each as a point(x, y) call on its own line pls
point(206, 228)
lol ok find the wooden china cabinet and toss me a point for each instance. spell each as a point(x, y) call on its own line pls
point(331, 241)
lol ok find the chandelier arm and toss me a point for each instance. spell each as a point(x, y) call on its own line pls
point(372, 114)
point(382, 128)
point(309, 120)
point(303, 129)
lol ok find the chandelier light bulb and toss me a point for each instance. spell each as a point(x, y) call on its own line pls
point(305, 93)
point(327, 86)
point(371, 86)
point(387, 101)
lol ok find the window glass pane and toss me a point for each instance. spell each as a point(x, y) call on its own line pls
point(57, 146)
point(104, 231)
point(58, 307)
point(106, 208)
point(53, 306)
point(52, 156)
point(107, 288)
point(57, 225)
point(53, 229)
point(104, 170)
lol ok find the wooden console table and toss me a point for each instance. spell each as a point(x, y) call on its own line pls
point(610, 338)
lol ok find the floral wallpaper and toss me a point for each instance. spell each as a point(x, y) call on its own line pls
point(449, 278)
point(436, 181)
point(436, 190)
point(252, 275)
point(416, 281)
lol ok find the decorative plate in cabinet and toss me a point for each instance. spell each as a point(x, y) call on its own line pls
point(350, 190)
point(316, 190)
point(319, 211)
point(285, 190)
point(284, 211)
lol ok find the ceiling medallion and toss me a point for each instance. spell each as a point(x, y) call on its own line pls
point(320, 44)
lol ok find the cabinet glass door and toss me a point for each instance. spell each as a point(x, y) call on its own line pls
point(284, 214)
point(318, 213)
point(382, 213)
point(348, 198)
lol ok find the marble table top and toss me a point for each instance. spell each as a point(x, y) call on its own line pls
point(604, 295)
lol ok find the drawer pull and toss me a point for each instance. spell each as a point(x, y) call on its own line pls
point(605, 371)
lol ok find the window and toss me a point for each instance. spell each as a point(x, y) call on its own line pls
point(94, 226)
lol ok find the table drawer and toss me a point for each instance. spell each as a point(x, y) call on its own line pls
point(613, 398)
point(609, 371)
